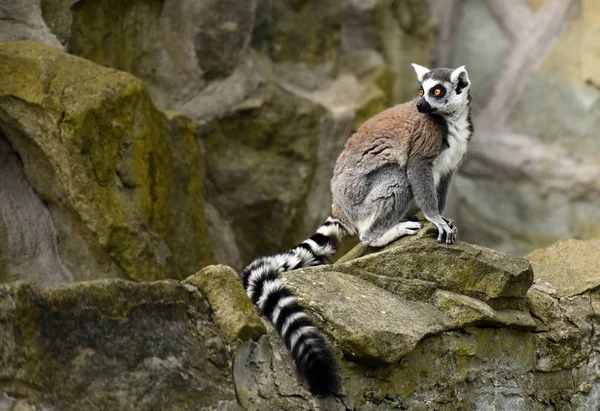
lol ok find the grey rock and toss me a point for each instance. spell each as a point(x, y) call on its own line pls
point(112, 344)
point(22, 20)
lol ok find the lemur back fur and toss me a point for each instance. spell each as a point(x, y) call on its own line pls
point(399, 162)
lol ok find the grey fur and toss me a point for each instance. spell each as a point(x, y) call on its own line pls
point(442, 191)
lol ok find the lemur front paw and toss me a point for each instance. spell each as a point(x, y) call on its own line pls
point(451, 225)
point(446, 233)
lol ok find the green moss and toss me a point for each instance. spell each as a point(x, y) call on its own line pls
point(117, 34)
point(306, 32)
point(438, 365)
point(233, 311)
point(471, 270)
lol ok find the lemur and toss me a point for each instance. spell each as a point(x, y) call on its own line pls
point(398, 162)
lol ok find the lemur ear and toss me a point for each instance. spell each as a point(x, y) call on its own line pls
point(460, 78)
point(420, 70)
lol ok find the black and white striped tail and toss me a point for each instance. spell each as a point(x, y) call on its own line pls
point(314, 359)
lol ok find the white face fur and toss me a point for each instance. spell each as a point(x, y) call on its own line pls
point(443, 91)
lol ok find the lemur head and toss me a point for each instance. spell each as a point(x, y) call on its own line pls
point(443, 91)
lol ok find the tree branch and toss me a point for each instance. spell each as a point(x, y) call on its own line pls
point(503, 155)
point(513, 16)
point(445, 14)
point(529, 49)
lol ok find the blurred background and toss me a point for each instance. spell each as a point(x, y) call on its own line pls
point(275, 88)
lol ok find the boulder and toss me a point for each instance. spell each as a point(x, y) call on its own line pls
point(116, 184)
point(568, 268)
point(414, 344)
point(233, 312)
point(111, 344)
point(565, 300)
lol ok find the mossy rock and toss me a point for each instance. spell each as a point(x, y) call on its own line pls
point(299, 31)
point(112, 344)
point(464, 268)
point(233, 311)
point(261, 159)
point(126, 177)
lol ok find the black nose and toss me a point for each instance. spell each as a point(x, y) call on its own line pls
point(423, 106)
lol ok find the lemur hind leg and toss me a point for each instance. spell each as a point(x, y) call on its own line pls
point(384, 210)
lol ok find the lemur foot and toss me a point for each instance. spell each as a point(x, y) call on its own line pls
point(399, 230)
point(411, 225)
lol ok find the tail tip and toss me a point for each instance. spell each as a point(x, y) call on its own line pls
point(323, 378)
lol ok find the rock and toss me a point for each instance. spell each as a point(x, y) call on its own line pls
point(567, 268)
point(199, 57)
point(223, 36)
point(154, 40)
point(28, 246)
point(299, 31)
point(58, 17)
point(565, 300)
point(562, 298)
point(463, 268)
point(473, 356)
point(22, 20)
point(112, 344)
point(233, 311)
point(371, 325)
point(116, 344)
point(402, 31)
point(121, 180)
point(255, 153)
point(468, 310)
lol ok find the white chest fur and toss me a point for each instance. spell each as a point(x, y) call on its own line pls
point(458, 140)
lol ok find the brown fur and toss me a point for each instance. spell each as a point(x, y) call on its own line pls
point(395, 135)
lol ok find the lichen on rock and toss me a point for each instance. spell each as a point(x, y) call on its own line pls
point(122, 175)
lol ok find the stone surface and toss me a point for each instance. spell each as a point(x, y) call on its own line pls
point(112, 344)
point(22, 20)
point(122, 181)
point(476, 271)
point(401, 30)
point(519, 362)
point(232, 310)
point(28, 244)
point(115, 344)
point(371, 325)
point(249, 187)
point(569, 267)
point(300, 31)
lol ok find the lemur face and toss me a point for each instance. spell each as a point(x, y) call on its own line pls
point(443, 91)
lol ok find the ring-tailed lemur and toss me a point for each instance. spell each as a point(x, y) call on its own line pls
point(399, 162)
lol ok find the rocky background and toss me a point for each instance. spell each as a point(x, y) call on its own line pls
point(146, 140)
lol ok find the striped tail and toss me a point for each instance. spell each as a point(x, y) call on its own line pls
point(313, 358)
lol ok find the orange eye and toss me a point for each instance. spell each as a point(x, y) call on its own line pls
point(421, 93)
point(437, 92)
